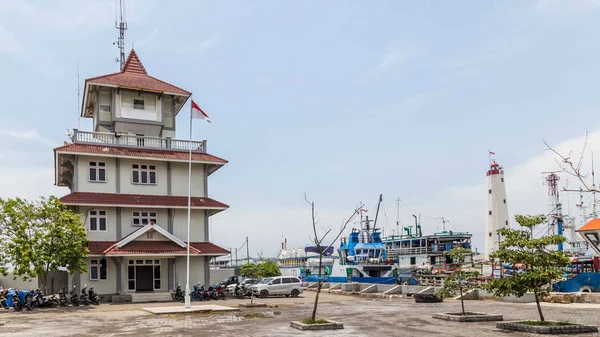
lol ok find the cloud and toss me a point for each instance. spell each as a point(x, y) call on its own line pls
point(29, 182)
point(27, 135)
point(395, 55)
point(8, 41)
point(466, 206)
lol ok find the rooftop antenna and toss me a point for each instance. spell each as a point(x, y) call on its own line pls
point(78, 99)
point(398, 216)
point(122, 27)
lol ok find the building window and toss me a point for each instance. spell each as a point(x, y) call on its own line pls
point(490, 234)
point(507, 222)
point(490, 191)
point(97, 221)
point(502, 179)
point(138, 104)
point(157, 275)
point(505, 201)
point(97, 172)
point(98, 270)
point(413, 260)
point(105, 101)
point(490, 212)
point(143, 218)
point(143, 174)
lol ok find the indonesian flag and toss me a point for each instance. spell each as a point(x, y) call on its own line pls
point(199, 113)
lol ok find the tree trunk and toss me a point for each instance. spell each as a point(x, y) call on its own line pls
point(537, 301)
point(42, 283)
point(462, 301)
point(319, 285)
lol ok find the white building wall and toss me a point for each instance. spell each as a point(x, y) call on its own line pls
point(108, 286)
point(196, 271)
point(128, 187)
point(83, 183)
point(499, 217)
point(111, 223)
point(179, 179)
point(196, 226)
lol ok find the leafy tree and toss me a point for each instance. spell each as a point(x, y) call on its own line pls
point(40, 237)
point(260, 270)
point(249, 270)
point(543, 265)
point(456, 282)
point(268, 269)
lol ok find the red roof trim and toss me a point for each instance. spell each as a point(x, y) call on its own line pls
point(110, 150)
point(154, 248)
point(134, 75)
point(594, 224)
point(90, 198)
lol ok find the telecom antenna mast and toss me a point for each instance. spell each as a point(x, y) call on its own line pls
point(122, 27)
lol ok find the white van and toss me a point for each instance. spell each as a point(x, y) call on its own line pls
point(278, 285)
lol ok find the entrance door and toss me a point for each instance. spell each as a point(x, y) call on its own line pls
point(144, 278)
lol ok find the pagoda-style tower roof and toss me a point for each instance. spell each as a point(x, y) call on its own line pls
point(133, 76)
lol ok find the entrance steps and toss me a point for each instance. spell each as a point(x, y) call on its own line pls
point(162, 296)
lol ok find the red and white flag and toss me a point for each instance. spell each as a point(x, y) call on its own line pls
point(199, 113)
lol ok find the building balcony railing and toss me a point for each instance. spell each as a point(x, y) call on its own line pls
point(127, 140)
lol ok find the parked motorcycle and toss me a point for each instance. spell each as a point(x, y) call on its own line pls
point(26, 298)
point(84, 299)
point(219, 293)
point(62, 297)
point(178, 295)
point(74, 296)
point(13, 300)
point(93, 297)
point(3, 293)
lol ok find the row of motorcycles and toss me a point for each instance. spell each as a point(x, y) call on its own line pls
point(19, 299)
point(200, 293)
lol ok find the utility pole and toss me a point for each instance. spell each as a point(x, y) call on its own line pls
point(247, 251)
point(236, 259)
point(231, 257)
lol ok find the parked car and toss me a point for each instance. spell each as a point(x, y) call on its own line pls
point(247, 282)
point(279, 285)
point(230, 280)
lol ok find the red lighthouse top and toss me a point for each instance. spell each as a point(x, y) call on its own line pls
point(495, 168)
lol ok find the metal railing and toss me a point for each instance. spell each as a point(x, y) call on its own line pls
point(408, 251)
point(127, 140)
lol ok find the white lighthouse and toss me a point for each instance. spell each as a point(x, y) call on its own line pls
point(497, 211)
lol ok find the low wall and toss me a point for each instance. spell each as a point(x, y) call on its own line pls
point(12, 281)
point(218, 275)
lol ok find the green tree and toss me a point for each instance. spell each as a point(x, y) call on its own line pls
point(457, 281)
point(260, 270)
point(543, 264)
point(39, 238)
point(249, 270)
point(268, 269)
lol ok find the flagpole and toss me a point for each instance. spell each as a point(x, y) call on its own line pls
point(187, 283)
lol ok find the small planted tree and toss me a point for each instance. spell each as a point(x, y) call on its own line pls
point(543, 263)
point(268, 269)
point(41, 237)
point(321, 249)
point(456, 282)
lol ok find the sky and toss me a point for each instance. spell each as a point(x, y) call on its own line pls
point(338, 100)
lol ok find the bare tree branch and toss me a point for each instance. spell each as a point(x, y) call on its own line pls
point(568, 167)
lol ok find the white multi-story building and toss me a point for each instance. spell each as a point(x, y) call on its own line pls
point(497, 216)
point(128, 178)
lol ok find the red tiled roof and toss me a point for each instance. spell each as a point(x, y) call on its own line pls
point(97, 247)
point(87, 198)
point(134, 76)
point(590, 226)
point(155, 247)
point(110, 150)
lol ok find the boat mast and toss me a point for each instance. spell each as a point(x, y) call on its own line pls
point(377, 213)
point(398, 217)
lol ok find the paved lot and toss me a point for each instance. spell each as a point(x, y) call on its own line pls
point(361, 317)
